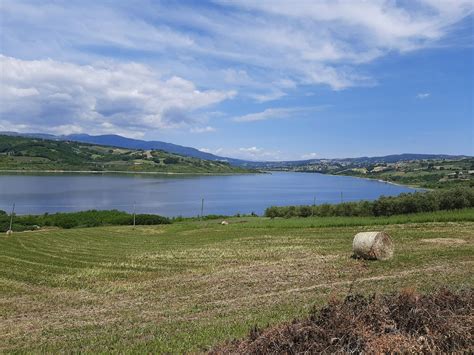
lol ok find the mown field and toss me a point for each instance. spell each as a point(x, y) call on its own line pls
point(191, 285)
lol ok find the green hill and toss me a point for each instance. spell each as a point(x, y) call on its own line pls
point(33, 154)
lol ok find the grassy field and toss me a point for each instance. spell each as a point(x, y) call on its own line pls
point(190, 285)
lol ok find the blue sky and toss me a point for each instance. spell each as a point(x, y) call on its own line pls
point(266, 80)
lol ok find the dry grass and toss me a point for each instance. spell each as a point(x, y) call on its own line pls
point(407, 322)
point(445, 241)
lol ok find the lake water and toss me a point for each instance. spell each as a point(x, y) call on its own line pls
point(181, 195)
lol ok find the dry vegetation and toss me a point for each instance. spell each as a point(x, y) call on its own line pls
point(399, 323)
point(193, 285)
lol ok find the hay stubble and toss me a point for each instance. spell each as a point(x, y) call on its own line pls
point(187, 286)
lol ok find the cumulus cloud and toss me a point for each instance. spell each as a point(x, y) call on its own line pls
point(61, 97)
point(261, 49)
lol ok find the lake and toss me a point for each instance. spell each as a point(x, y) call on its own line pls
point(182, 195)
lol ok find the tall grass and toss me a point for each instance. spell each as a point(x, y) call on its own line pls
point(463, 215)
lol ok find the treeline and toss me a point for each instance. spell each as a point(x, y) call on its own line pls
point(450, 199)
point(90, 218)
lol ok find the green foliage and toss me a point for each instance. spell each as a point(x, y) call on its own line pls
point(171, 160)
point(90, 218)
point(151, 219)
point(438, 200)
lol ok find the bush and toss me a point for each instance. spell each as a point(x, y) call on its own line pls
point(151, 219)
point(92, 218)
point(171, 160)
point(455, 198)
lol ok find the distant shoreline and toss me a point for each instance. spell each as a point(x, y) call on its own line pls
point(95, 172)
point(358, 177)
point(384, 181)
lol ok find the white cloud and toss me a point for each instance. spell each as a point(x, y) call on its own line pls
point(267, 114)
point(244, 44)
point(217, 151)
point(273, 113)
point(52, 96)
point(423, 95)
point(377, 25)
point(206, 129)
point(264, 50)
point(309, 156)
point(253, 153)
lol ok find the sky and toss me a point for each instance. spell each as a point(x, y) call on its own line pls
point(257, 80)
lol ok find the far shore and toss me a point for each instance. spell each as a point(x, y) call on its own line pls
point(358, 177)
point(96, 172)
point(384, 181)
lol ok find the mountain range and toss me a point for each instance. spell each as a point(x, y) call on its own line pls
point(130, 143)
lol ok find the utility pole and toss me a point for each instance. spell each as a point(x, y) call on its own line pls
point(314, 205)
point(202, 208)
point(11, 218)
point(134, 213)
point(342, 199)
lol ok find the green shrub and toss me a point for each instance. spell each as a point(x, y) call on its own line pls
point(91, 218)
point(171, 160)
point(451, 199)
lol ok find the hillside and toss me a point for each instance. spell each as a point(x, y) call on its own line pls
point(429, 172)
point(36, 154)
point(299, 165)
point(130, 143)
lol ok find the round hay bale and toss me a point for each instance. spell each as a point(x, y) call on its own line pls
point(224, 223)
point(9, 232)
point(373, 246)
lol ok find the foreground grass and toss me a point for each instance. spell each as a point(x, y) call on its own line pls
point(190, 285)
